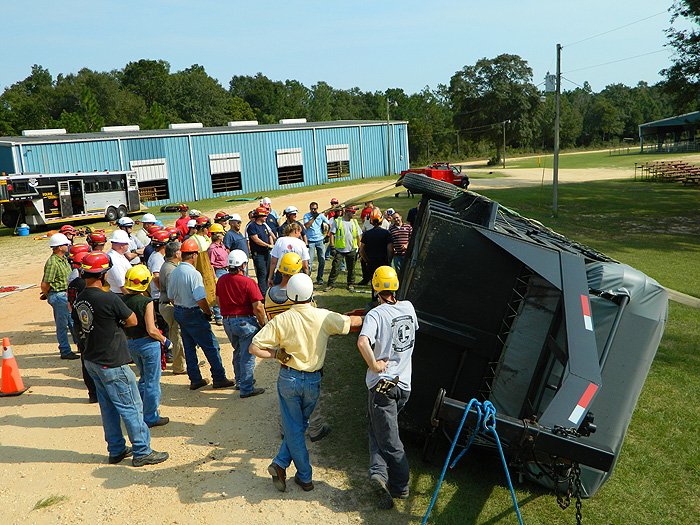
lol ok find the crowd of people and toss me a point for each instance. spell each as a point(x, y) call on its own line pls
point(153, 297)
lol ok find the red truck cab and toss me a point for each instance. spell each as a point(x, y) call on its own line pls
point(443, 171)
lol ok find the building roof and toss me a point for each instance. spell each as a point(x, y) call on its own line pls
point(669, 124)
point(78, 137)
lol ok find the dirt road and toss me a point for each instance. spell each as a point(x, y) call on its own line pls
point(51, 439)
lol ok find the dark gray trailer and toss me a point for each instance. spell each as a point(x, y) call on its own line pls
point(557, 336)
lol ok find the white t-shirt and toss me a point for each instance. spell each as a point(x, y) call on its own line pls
point(289, 244)
point(155, 261)
point(391, 330)
point(117, 274)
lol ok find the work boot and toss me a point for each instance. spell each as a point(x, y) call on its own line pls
point(254, 392)
point(152, 459)
point(113, 460)
point(384, 499)
point(279, 476)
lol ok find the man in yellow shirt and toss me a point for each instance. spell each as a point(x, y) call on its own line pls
point(303, 332)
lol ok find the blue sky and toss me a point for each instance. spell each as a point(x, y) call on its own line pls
point(373, 45)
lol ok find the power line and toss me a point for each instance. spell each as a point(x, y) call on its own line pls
point(615, 61)
point(616, 29)
point(574, 83)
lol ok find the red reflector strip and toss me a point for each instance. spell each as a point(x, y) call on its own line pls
point(582, 404)
point(586, 308)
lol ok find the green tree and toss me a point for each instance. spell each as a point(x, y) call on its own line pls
point(27, 104)
point(266, 97)
point(197, 97)
point(490, 92)
point(155, 118)
point(683, 77)
point(146, 78)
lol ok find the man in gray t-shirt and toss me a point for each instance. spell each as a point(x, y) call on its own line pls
point(391, 329)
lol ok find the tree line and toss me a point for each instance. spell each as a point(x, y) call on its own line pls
point(465, 117)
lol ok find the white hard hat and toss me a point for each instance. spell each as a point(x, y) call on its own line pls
point(266, 200)
point(58, 239)
point(237, 258)
point(191, 223)
point(235, 217)
point(119, 237)
point(290, 209)
point(149, 217)
point(125, 221)
point(195, 213)
point(300, 288)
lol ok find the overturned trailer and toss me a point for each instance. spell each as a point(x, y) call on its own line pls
point(557, 336)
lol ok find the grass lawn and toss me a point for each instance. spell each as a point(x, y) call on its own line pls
point(652, 227)
point(598, 159)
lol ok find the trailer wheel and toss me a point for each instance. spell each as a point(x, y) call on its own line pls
point(419, 183)
point(10, 218)
point(111, 214)
point(122, 211)
point(465, 183)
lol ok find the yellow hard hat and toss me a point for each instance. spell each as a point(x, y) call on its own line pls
point(290, 263)
point(385, 278)
point(138, 278)
point(216, 228)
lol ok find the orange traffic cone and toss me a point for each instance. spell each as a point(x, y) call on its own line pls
point(11, 383)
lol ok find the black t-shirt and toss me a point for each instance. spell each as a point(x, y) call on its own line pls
point(99, 315)
point(283, 226)
point(261, 230)
point(75, 287)
point(376, 241)
point(137, 303)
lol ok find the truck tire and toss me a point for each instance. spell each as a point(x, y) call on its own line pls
point(122, 211)
point(10, 218)
point(111, 214)
point(437, 189)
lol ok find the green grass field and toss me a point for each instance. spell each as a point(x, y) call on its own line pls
point(599, 159)
point(652, 227)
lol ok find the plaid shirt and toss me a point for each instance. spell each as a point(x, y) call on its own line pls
point(56, 271)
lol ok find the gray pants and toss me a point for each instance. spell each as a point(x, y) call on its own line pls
point(349, 259)
point(387, 458)
point(168, 313)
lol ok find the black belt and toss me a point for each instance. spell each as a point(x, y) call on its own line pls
point(304, 371)
point(187, 307)
point(237, 316)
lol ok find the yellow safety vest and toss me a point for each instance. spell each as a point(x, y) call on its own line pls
point(339, 235)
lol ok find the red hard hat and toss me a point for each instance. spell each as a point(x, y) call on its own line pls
point(67, 228)
point(78, 248)
point(260, 211)
point(97, 238)
point(334, 201)
point(375, 216)
point(96, 263)
point(174, 232)
point(78, 259)
point(221, 215)
point(150, 230)
point(160, 237)
point(351, 208)
point(202, 221)
point(184, 207)
point(189, 246)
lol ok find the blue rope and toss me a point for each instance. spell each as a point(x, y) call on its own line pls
point(486, 422)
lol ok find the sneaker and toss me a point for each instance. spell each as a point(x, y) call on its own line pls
point(398, 495)
point(328, 288)
point(306, 486)
point(199, 384)
point(279, 476)
point(384, 499)
point(254, 392)
point(224, 384)
point(152, 459)
point(324, 432)
point(70, 356)
point(162, 421)
point(319, 282)
point(351, 288)
point(113, 460)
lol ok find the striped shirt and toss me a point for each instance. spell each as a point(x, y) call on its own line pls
point(56, 271)
point(400, 235)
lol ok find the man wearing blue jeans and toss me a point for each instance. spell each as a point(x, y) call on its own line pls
point(241, 305)
point(261, 242)
point(193, 314)
point(313, 222)
point(303, 332)
point(101, 316)
point(53, 289)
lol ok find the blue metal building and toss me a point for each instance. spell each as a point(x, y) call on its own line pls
point(193, 163)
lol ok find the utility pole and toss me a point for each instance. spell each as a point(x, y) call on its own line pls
point(504, 142)
point(388, 136)
point(555, 181)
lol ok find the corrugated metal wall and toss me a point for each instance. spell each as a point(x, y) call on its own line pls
point(367, 144)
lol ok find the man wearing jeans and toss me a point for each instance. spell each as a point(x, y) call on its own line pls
point(303, 332)
point(242, 307)
point(53, 289)
point(261, 242)
point(192, 312)
point(101, 316)
point(345, 237)
point(313, 222)
point(391, 328)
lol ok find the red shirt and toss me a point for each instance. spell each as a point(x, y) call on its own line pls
point(365, 213)
point(181, 224)
point(236, 294)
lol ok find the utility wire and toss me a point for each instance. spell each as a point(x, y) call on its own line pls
point(616, 29)
point(615, 61)
point(574, 83)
